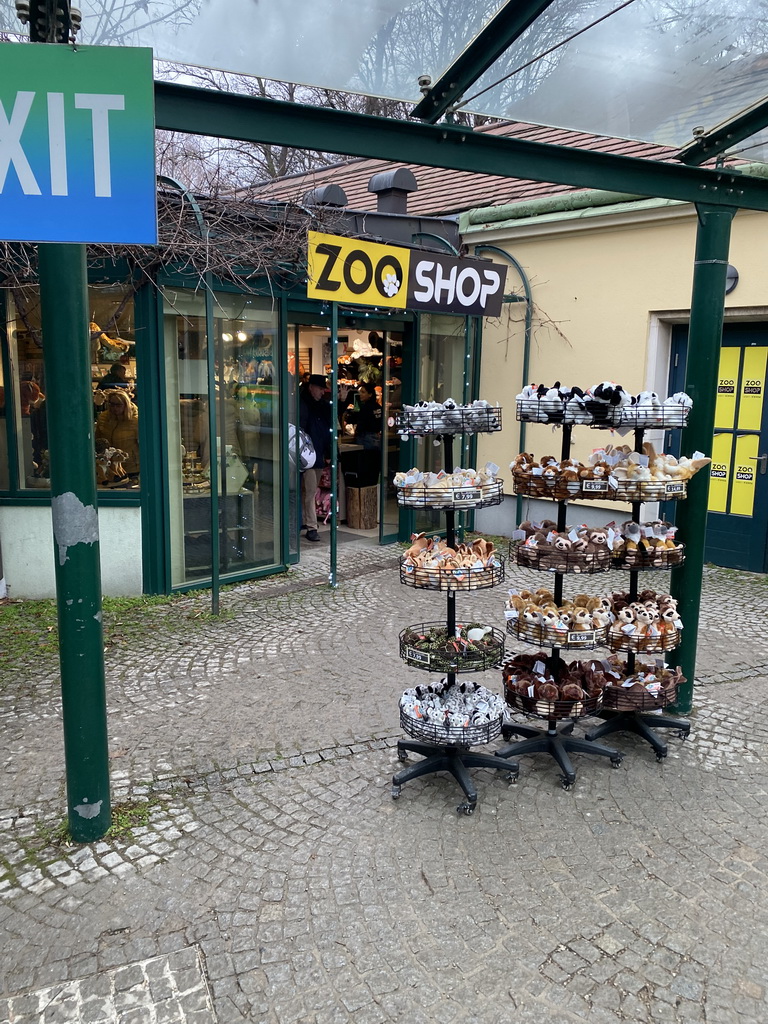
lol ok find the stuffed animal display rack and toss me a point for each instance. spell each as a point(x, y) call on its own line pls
point(649, 622)
point(468, 648)
point(603, 405)
point(462, 488)
point(647, 545)
point(450, 709)
point(612, 472)
point(430, 562)
point(449, 418)
point(575, 549)
point(533, 684)
point(533, 616)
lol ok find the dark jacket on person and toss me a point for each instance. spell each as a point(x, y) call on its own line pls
point(315, 420)
point(367, 418)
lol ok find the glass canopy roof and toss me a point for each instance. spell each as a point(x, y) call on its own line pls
point(653, 70)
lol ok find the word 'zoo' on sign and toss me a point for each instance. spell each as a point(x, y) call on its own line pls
point(344, 269)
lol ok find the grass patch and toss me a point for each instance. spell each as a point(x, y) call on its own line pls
point(127, 816)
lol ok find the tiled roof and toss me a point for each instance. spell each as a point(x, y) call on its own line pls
point(443, 192)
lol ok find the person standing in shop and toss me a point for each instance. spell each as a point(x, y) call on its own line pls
point(315, 420)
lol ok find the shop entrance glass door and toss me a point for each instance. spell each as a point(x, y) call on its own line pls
point(445, 370)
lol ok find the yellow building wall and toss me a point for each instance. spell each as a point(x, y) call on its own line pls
point(596, 284)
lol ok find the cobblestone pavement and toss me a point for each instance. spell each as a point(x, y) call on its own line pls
point(276, 880)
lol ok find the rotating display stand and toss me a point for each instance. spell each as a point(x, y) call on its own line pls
point(446, 647)
point(555, 740)
point(617, 711)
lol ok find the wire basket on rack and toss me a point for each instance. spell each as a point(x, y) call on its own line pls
point(601, 415)
point(431, 732)
point(553, 709)
point(569, 640)
point(429, 646)
point(546, 558)
point(560, 489)
point(638, 698)
point(644, 643)
point(419, 420)
point(437, 497)
point(442, 579)
point(649, 490)
point(649, 559)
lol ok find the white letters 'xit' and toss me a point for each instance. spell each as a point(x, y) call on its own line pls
point(12, 150)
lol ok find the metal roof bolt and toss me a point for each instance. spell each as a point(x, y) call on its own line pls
point(698, 132)
point(22, 11)
point(425, 81)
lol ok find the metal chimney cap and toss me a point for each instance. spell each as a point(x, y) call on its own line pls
point(326, 195)
point(400, 178)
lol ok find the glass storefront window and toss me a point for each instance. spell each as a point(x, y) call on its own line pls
point(4, 476)
point(247, 415)
point(442, 374)
point(113, 379)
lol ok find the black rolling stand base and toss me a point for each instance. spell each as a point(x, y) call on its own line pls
point(448, 758)
point(557, 743)
point(640, 724)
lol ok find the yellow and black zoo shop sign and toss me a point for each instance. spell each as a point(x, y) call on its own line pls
point(370, 274)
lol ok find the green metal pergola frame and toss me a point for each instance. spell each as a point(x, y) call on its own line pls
point(717, 194)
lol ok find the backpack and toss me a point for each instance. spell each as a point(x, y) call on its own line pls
point(307, 454)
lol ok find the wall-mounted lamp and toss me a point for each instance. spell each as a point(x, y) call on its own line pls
point(731, 279)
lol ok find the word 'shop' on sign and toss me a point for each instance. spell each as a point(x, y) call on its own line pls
point(349, 270)
point(77, 144)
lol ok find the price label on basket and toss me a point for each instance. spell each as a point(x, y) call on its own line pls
point(585, 636)
point(594, 486)
point(422, 657)
point(468, 494)
point(674, 488)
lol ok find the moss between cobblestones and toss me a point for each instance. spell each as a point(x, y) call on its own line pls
point(29, 629)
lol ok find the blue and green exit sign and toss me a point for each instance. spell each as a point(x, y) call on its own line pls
point(77, 144)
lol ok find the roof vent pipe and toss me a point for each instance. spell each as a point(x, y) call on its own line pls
point(391, 189)
point(326, 195)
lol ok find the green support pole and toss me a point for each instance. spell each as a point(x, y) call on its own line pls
point(332, 571)
point(704, 341)
point(67, 359)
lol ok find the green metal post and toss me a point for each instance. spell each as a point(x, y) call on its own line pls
point(213, 451)
point(704, 341)
point(332, 574)
point(67, 359)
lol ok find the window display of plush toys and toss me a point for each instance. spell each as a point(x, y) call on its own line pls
point(649, 622)
point(606, 404)
point(532, 685)
point(432, 564)
point(464, 713)
point(431, 646)
point(462, 488)
point(612, 472)
point(449, 418)
point(534, 617)
point(575, 549)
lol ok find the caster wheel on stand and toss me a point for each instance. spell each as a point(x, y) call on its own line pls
point(660, 756)
point(402, 755)
point(616, 762)
point(395, 792)
point(567, 782)
point(466, 809)
point(683, 734)
point(512, 778)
